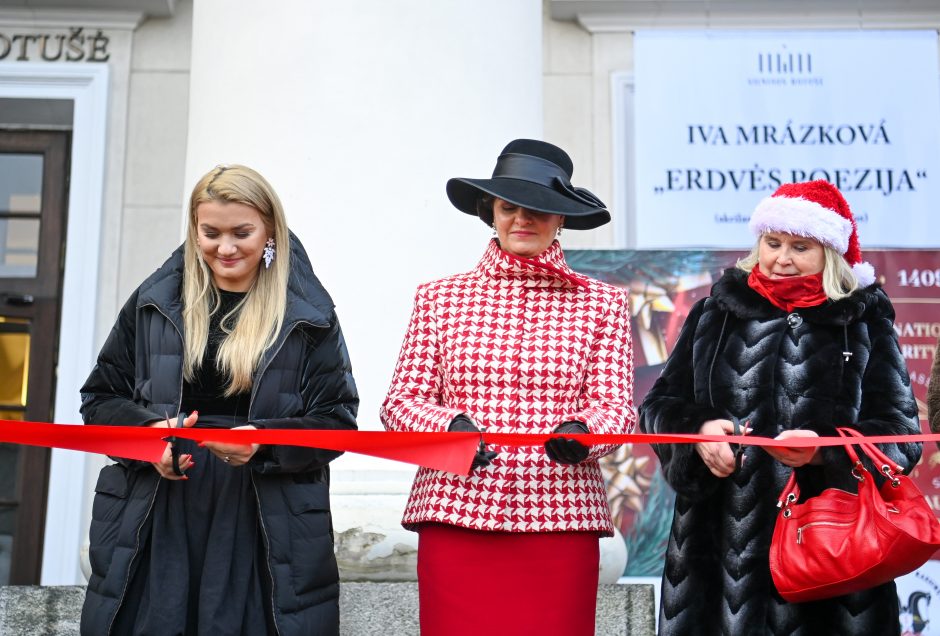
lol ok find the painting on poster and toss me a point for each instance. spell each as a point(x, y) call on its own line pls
point(919, 600)
point(858, 109)
point(663, 286)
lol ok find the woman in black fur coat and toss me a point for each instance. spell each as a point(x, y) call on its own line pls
point(793, 342)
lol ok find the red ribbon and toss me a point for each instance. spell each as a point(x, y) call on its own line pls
point(451, 452)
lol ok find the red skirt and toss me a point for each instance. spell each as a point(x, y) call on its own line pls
point(472, 582)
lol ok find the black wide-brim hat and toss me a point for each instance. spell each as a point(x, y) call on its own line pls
point(535, 175)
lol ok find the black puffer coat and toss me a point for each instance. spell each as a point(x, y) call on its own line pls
point(738, 356)
point(304, 381)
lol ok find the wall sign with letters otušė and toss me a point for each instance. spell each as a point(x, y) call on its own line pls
point(74, 46)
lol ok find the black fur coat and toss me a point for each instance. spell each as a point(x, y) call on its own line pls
point(737, 355)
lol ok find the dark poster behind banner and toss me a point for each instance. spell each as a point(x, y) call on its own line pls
point(663, 286)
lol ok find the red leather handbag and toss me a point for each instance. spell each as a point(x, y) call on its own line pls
point(839, 542)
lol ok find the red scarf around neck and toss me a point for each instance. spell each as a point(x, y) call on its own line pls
point(788, 293)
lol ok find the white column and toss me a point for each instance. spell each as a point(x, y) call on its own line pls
point(358, 112)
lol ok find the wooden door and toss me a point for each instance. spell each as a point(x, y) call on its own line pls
point(33, 195)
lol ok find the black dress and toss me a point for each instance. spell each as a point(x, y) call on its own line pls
point(202, 568)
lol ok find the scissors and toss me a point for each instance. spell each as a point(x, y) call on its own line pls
point(739, 448)
point(174, 451)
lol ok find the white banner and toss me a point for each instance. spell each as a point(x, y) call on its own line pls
point(723, 118)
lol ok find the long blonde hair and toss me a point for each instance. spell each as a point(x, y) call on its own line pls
point(838, 279)
point(258, 317)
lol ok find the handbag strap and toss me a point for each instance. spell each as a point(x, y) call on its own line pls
point(791, 492)
point(882, 461)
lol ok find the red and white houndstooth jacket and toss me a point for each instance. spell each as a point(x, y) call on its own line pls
point(520, 346)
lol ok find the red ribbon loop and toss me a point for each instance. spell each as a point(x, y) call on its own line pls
point(451, 452)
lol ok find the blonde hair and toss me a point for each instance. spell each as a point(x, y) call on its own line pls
point(253, 325)
point(838, 279)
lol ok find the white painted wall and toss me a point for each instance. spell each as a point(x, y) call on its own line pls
point(358, 112)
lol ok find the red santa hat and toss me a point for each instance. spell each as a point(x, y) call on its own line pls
point(816, 210)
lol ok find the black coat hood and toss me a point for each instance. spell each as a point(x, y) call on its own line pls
point(307, 299)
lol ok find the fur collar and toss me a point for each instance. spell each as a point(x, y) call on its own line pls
point(733, 294)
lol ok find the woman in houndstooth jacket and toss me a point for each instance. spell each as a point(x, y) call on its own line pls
point(520, 344)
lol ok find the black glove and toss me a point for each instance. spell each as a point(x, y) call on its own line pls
point(568, 451)
point(463, 424)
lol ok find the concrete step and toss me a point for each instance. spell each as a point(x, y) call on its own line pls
point(366, 609)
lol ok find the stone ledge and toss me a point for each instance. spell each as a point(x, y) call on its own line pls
point(33, 610)
point(366, 609)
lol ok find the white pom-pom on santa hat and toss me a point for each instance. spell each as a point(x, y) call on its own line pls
point(816, 210)
point(865, 273)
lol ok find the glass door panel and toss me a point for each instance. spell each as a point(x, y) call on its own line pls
point(14, 367)
point(20, 208)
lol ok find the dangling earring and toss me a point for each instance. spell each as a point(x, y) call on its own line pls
point(268, 253)
point(558, 232)
point(494, 228)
